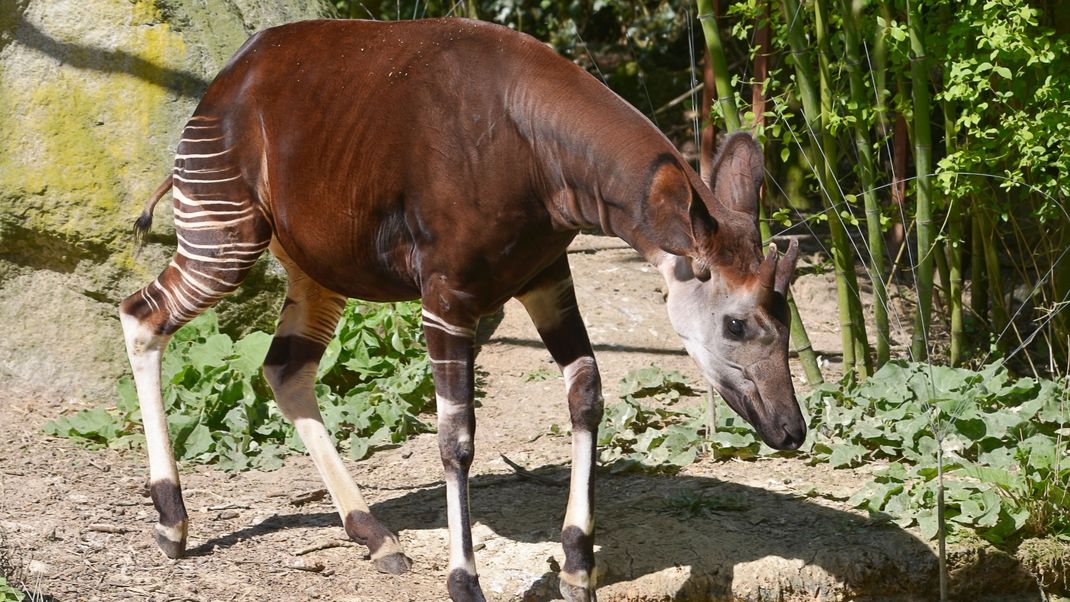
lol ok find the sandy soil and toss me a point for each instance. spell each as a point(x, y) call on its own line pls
point(81, 521)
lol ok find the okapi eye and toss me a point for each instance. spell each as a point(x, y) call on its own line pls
point(736, 328)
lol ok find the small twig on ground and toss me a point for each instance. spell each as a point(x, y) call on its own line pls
point(524, 473)
point(229, 507)
point(306, 497)
point(191, 492)
point(325, 545)
point(296, 564)
point(104, 528)
point(302, 564)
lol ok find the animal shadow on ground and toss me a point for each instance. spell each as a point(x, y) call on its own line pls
point(721, 531)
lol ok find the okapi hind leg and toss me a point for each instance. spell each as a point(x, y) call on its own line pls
point(551, 302)
point(309, 316)
point(221, 231)
point(451, 349)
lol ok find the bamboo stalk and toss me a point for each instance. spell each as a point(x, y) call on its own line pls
point(999, 317)
point(1060, 288)
point(799, 338)
point(852, 322)
point(867, 178)
point(941, 291)
point(978, 270)
point(808, 96)
point(956, 242)
point(919, 76)
point(725, 96)
point(708, 136)
point(956, 218)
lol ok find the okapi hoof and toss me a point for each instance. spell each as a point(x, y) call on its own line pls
point(464, 587)
point(575, 593)
point(171, 527)
point(393, 564)
point(171, 540)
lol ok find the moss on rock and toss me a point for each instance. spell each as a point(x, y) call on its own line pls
point(94, 97)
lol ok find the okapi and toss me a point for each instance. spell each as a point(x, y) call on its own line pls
point(450, 161)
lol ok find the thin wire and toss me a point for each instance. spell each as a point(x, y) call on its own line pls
point(591, 56)
point(695, 102)
point(649, 102)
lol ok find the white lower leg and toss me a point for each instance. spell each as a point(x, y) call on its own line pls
point(579, 518)
point(145, 351)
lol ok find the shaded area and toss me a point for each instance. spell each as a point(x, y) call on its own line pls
point(92, 58)
point(731, 536)
point(597, 346)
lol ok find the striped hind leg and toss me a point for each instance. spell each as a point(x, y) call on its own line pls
point(551, 302)
point(306, 326)
point(221, 233)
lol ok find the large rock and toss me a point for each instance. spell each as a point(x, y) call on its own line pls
point(92, 97)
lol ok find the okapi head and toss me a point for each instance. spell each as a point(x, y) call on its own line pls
point(728, 303)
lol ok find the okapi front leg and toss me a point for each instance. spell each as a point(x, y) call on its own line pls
point(551, 302)
point(451, 350)
point(309, 316)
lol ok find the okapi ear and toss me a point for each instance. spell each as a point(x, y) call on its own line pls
point(703, 228)
point(786, 268)
point(737, 173)
point(674, 211)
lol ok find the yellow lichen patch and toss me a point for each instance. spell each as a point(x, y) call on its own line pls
point(152, 120)
point(144, 12)
point(81, 149)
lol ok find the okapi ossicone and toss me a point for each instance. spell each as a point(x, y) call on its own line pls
point(450, 161)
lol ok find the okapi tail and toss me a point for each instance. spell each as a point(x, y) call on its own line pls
point(144, 221)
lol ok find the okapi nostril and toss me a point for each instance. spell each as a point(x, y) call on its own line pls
point(793, 436)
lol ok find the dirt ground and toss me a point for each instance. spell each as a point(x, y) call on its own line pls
point(82, 521)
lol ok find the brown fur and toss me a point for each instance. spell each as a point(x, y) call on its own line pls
point(414, 135)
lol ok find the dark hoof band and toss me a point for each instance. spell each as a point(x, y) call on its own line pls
point(172, 549)
point(394, 564)
point(573, 593)
point(464, 587)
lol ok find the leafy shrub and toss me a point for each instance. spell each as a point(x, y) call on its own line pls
point(632, 435)
point(9, 593)
point(1006, 458)
point(1004, 443)
point(374, 381)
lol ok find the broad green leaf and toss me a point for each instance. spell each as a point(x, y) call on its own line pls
point(846, 455)
point(927, 524)
point(249, 353)
point(198, 442)
point(212, 353)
